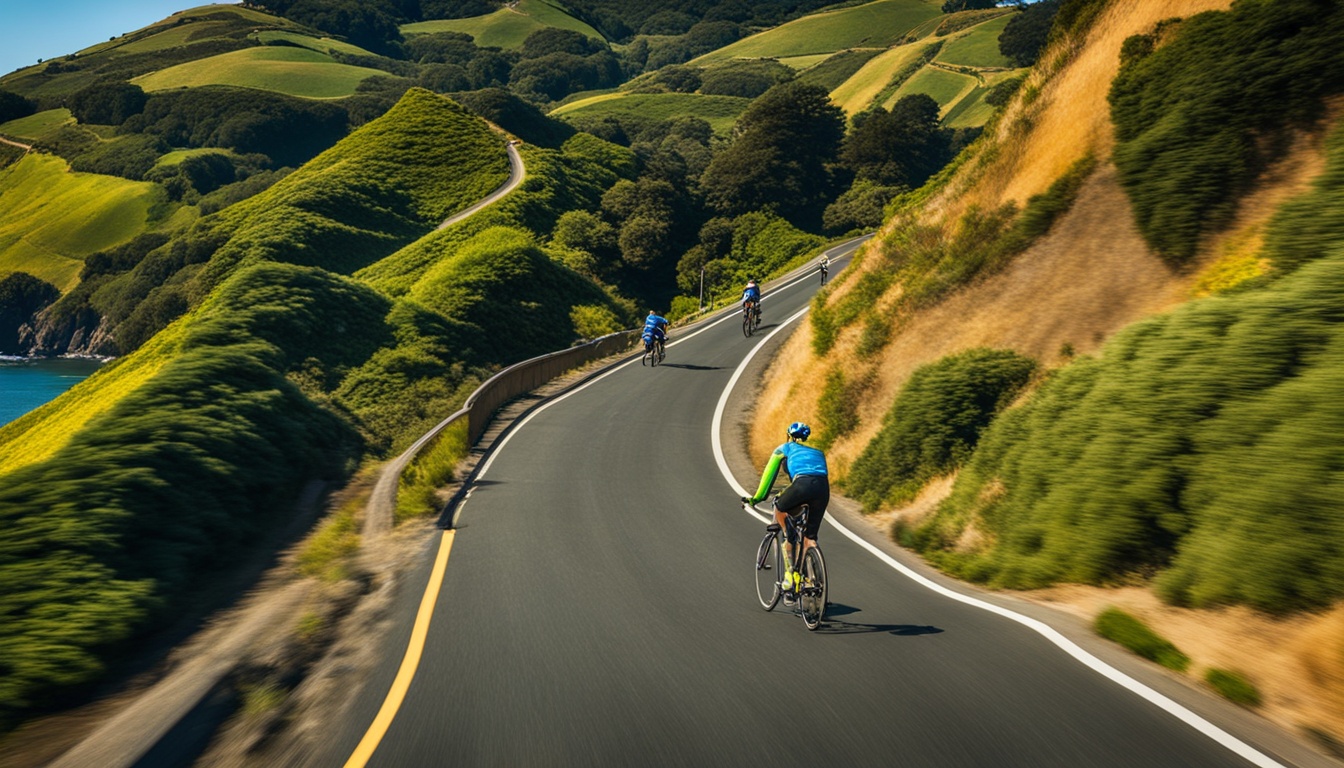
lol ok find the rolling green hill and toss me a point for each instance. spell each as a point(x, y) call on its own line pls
point(718, 111)
point(37, 126)
point(507, 27)
point(292, 71)
point(51, 218)
point(877, 24)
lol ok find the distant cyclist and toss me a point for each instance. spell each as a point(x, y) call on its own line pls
point(751, 297)
point(655, 329)
point(806, 467)
point(824, 266)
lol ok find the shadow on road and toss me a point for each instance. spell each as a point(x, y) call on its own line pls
point(836, 626)
point(694, 367)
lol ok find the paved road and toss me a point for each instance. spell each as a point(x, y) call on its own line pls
point(597, 608)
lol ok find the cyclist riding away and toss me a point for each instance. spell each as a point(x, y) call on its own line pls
point(751, 297)
point(824, 265)
point(655, 329)
point(806, 467)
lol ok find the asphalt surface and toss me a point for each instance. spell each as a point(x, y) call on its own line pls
point(598, 608)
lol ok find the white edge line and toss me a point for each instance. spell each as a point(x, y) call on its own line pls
point(1178, 711)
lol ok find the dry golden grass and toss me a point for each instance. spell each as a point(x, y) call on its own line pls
point(1297, 663)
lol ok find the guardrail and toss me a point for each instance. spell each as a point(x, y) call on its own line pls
point(517, 379)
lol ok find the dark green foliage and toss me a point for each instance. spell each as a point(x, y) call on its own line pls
point(1199, 116)
point(1201, 442)
point(935, 423)
point(555, 75)
point(838, 407)
point(779, 156)
point(675, 78)
point(1120, 627)
point(1233, 686)
point(104, 539)
point(1026, 33)
point(1307, 227)
point(861, 207)
point(13, 106)
point(549, 40)
point(903, 147)
point(838, 68)
point(1004, 90)
point(21, 296)
point(130, 157)
point(370, 24)
point(454, 9)
point(107, 102)
point(953, 6)
point(516, 116)
point(747, 78)
point(442, 48)
point(287, 129)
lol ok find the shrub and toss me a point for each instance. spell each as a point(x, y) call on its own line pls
point(838, 408)
point(1199, 117)
point(432, 468)
point(935, 423)
point(1120, 627)
point(1233, 686)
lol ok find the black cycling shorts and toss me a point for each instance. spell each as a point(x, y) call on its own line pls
point(812, 490)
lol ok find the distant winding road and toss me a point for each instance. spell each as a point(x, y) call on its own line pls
point(516, 174)
point(593, 606)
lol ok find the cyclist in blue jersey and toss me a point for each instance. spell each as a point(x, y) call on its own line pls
point(655, 329)
point(751, 297)
point(806, 467)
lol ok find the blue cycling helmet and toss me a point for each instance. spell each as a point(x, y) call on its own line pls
point(799, 431)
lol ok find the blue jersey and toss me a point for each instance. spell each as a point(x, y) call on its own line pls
point(655, 327)
point(752, 293)
point(802, 459)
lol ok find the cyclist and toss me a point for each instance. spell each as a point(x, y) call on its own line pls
point(806, 467)
point(655, 329)
point(751, 297)
point(824, 264)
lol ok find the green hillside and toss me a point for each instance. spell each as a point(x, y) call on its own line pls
point(718, 111)
point(292, 71)
point(877, 24)
point(37, 126)
point(507, 27)
point(978, 46)
point(119, 497)
point(50, 218)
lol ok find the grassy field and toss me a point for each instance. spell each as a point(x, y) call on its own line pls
point(977, 46)
point(719, 111)
point(177, 156)
point(971, 109)
point(38, 125)
point(319, 44)
point(51, 218)
point(804, 62)
point(946, 88)
point(873, 25)
point(857, 93)
point(507, 27)
point(292, 71)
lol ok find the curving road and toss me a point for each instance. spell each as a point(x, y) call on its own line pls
point(596, 608)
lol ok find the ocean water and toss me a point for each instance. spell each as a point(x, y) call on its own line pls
point(27, 383)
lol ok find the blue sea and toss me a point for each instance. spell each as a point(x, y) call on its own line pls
point(27, 383)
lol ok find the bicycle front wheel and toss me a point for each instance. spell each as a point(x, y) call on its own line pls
point(746, 326)
point(769, 564)
point(812, 594)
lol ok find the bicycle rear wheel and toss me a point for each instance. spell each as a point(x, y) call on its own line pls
point(746, 325)
point(769, 564)
point(812, 595)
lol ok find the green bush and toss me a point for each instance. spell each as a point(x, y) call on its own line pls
point(1233, 686)
point(935, 423)
point(838, 408)
point(1199, 116)
point(1120, 627)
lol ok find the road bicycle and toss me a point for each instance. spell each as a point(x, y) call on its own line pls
point(653, 353)
point(810, 595)
point(751, 318)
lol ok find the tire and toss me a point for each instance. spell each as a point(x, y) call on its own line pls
point(653, 355)
point(661, 353)
point(769, 564)
point(746, 326)
point(813, 594)
point(646, 358)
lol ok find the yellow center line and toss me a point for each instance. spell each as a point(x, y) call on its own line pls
point(409, 663)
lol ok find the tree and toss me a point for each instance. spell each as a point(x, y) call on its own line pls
point(21, 296)
point(13, 106)
point(107, 102)
point(952, 6)
point(902, 147)
point(549, 40)
point(1025, 35)
point(780, 155)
